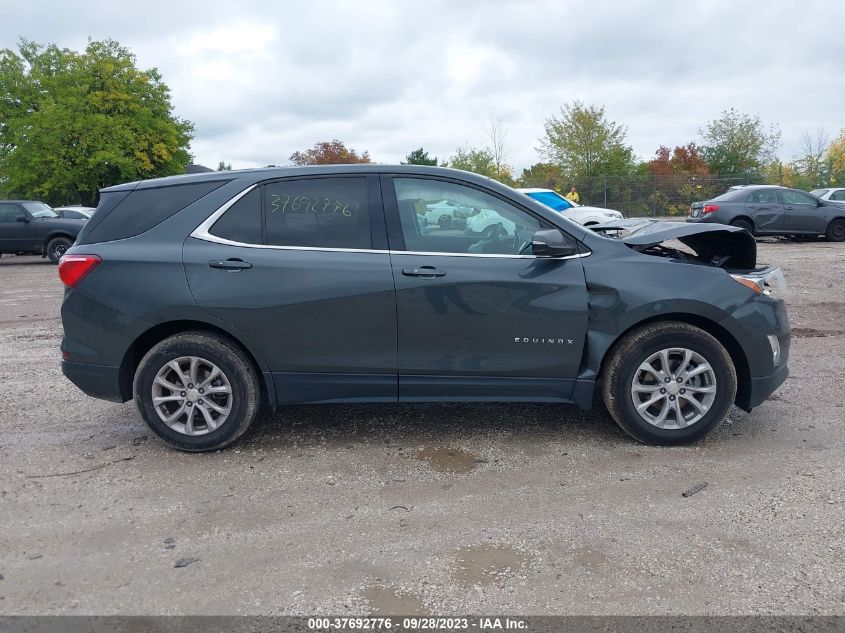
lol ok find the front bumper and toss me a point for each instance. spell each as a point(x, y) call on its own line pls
point(764, 386)
point(97, 381)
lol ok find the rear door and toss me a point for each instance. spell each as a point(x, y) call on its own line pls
point(766, 209)
point(17, 229)
point(300, 267)
point(801, 213)
point(479, 317)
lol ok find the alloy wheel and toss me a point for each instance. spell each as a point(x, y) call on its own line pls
point(192, 395)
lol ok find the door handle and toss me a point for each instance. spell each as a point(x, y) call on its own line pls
point(789, 208)
point(426, 272)
point(229, 264)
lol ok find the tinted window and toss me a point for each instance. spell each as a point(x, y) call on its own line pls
point(143, 209)
point(40, 210)
point(9, 213)
point(318, 212)
point(838, 195)
point(242, 221)
point(551, 200)
point(444, 217)
point(797, 197)
point(768, 196)
point(735, 194)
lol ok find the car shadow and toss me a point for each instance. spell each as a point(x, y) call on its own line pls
point(25, 260)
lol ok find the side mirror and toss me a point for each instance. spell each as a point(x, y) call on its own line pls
point(551, 243)
point(22, 218)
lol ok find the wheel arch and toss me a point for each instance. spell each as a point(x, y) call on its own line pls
point(154, 335)
point(744, 218)
point(734, 349)
point(51, 236)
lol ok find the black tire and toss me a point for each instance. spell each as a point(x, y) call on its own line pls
point(57, 247)
point(622, 366)
point(238, 372)
point(836, 230)
point(743, 224)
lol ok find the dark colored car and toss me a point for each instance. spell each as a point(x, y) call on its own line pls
point(207, 297)
point(31, 227)
point(772, 210)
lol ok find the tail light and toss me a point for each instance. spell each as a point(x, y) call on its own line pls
point(710, 208)
point(74, 268)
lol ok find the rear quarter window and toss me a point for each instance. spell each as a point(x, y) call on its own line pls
point(142, 209)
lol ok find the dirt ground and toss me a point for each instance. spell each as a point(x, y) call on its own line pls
point(529, 509)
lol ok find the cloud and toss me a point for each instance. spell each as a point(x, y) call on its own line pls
point(261, 80)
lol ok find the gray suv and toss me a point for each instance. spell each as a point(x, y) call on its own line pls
point(772, 210)
point(208, 297)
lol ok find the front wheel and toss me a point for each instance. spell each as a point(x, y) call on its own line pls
point(668, 383)
point(197, 391)
point(57, 247)
point(836, 231)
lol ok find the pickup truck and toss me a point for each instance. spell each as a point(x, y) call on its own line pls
point(32, 227)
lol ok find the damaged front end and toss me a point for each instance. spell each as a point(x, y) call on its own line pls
point(718, 245)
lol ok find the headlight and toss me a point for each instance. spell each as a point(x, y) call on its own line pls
point(765, 282)
point(775, 345)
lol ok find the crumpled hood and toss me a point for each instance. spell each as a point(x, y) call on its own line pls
point(707, 240)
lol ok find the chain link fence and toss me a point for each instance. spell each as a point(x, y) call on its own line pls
point(646, 195)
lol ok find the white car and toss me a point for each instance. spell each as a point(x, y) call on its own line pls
point(75, 212)
point(586, 216)
point(836, 194)
point(486, 220)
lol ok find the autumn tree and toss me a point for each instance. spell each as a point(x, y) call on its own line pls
point(583, 143)
point(738, 143)
point(836, 159)
point(72, 123)
point(332, 152)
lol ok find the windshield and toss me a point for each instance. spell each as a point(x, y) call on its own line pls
point(551, 199)
point(40, 210)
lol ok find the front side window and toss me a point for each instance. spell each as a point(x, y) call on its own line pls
point(791, 196)
point(318, 212)
point(40, 210)
point(444, 217)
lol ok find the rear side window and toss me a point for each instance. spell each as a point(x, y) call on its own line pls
point(318, 212)
point(9, 213)
point(143, 209)
point(242, 221)
point(838, 195)
point(764, 196)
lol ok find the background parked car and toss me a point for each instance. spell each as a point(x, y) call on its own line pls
point(773, 210)
point(29, 226)
point(75, 212)
point(837, 194)
point(586, 216)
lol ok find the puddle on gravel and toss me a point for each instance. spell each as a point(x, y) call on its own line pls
point(589, 558)
point(482, 564)
point(390, 601)
point(449, 460)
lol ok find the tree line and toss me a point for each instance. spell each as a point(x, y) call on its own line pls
point(74, 122)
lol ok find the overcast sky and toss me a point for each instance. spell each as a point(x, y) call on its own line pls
point(261, 80)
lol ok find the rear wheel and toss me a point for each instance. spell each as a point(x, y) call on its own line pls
point(836, 230)
point(57, 247)
point(668, 383)
point(743, 224)
point(197, 391)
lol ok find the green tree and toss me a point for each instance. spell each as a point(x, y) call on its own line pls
point(480, 160)
point(72, 123)
point(545, 175)
point(332, 152)
point(738, 143)
point(420, 157)
point(583, 143)
point(224, 166)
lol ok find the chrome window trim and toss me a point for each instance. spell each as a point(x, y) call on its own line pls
point(202, 233)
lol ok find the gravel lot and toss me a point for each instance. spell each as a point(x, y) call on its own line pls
point(530, 509)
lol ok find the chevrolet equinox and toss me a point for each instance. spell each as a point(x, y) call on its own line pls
point(207, 297)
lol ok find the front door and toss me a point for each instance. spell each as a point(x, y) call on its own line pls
point(310, 286)
point(479, 317)
point(17, 229)
point(801, 213)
